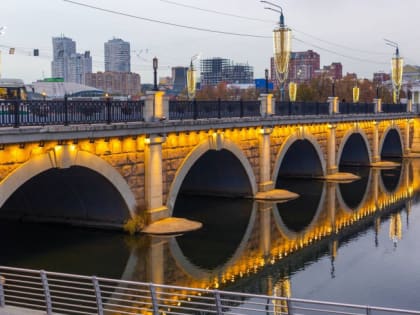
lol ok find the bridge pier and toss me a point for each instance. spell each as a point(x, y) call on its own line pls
point(266, 183)
point(331, 151)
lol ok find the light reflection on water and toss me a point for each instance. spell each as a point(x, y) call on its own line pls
point(354, 243)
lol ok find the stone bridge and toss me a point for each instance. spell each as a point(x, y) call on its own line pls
point(105, 174)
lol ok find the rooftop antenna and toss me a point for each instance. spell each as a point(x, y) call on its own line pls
point(393, 44)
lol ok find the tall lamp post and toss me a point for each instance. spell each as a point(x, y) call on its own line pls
point(397, 63)
point(155, 66)
point(282, 42)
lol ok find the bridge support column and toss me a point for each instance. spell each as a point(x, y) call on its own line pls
point(331, 152)
point(267, 105)
point(331, 195)
point(155, 261)
point(156, 106)
point(153, 178)
point(265, 160)
point(407, 149)
point(375, 145)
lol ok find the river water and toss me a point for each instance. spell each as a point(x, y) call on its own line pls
point(353, 243)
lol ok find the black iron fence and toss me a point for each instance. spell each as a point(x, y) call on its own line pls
point(15, 113)
point(68, 112)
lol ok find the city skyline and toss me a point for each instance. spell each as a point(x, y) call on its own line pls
point(314, 26)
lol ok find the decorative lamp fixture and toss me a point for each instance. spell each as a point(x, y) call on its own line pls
point(191, 81)
point(282, 44)
point(356, 93)
point(292, 91)
point(397, 63)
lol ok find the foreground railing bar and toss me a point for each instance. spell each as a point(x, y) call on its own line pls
point(127, 313)
point(190, 308)
point(73, 293)
point(72, 311)
point(25, 298)
point(27, 293)
point(128, 306)
point(8, 285)
point(72, 288)
point(325, 310)
point(249, 302)
point(52, 280)
point(19, 276)
point(121, 300)
point(124, 288)
point(126, 295)
point(36, 306)
point(57, 297)
point(192, 302)
point(246, 308)
point(74, 305)
point(199, 297)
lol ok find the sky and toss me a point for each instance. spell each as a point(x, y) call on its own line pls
point(348, 31)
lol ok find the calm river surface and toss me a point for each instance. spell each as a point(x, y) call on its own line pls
point(354, 243)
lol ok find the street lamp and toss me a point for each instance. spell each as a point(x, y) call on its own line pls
point(282, 42)
point(155, 66)
point(397, 63)
point(266, 81)
point(44, 95)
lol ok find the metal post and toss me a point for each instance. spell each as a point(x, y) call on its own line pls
point(2, 301)
point(219, 108)
point(108, 110)
point(16, 114)
point(266, 81)
point(66, 111)
point(154, 299)
point(241, 108)
point(155, 66)
point(195, 109)
point(48, 304)
point(367, 310)
point(218, 301)
point(289, 306)
point(98, 295)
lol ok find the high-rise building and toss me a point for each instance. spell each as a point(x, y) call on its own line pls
point(117, 55)
point(216, 70)
point(68, 64)
point(116, 83)
point(179, 78)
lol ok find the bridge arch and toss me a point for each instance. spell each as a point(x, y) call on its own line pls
point(391, 142)
point(290, 141)
point(359, 198)
point(196, 154)
point(359, 137)
point(64, 157)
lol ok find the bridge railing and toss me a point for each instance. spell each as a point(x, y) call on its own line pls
point(356, 108)
point(55, 112)
point(196, 109)
point(394, 108)
point(301, 108)
point(59, 293)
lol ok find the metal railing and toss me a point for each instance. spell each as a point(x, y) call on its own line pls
point(301, 108)
point(54, 292)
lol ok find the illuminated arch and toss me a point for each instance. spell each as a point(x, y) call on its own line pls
point(289, 142)
point(193, 157)
point(66, 157)
point(342, 204)
point(385, 134)
point(349, 133)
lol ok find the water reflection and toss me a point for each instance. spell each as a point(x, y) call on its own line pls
point(247, 246)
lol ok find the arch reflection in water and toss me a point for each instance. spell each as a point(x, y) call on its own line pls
point(391, 178)
point(76, 195)
point(352, 196)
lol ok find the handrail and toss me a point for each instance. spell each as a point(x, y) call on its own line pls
point(153, 298)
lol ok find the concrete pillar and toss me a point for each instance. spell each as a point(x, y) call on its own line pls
point(377, 108)
point(265, 183)
point(407, 149)
point(267, 105)
point(375, 145)
point(264, 210)
point(156, 106)
point(333, 105)
point(331, 151)
point(153, 178)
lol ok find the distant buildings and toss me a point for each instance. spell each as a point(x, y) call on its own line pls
point(381, 77)
point(68, 64)
point(117, 55)
point(179, 79)
point(116, 83)
point(216, 70)
point(411, 73)
point(333, 71)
